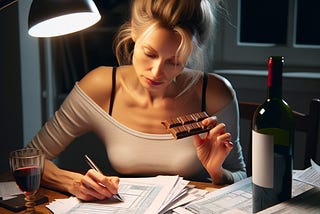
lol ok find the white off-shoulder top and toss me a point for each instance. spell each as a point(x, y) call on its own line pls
point(132, 152)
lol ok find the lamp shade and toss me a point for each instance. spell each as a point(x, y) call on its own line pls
point(50, 18)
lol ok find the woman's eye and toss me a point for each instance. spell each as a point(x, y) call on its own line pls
point(151, 55)
point(174, 63)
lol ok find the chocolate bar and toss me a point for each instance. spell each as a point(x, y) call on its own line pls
point(187, 125)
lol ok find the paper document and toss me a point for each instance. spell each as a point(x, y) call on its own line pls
point(9, 189)
point(141, 195)
point(235, 198)
point(306, 203)
point(310, 175)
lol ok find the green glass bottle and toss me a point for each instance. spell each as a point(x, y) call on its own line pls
point(272, 144)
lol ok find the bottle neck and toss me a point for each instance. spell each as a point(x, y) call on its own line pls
point(275, 78)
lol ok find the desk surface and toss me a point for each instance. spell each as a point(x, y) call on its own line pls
point(52, 194)
point(307, 202)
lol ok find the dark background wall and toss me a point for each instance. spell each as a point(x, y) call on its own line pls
point(10, 85)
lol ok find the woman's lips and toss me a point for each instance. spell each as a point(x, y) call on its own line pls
point(153, 82)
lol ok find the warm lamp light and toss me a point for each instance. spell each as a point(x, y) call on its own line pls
point(50, 18)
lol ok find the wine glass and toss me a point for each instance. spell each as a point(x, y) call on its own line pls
point(27, 167)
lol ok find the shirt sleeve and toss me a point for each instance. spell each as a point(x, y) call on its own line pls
point(234, 161)
point(68, 122)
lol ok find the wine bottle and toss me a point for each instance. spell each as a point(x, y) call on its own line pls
point(272, 144)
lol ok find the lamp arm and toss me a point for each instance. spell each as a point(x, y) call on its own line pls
point(6, 3)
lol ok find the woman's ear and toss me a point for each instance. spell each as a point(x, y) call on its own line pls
point(133, 37)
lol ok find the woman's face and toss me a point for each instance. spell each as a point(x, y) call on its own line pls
point(155, 60)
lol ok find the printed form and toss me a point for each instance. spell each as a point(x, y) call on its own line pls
point(141, 195)
point(237, 198)
point(310, 176)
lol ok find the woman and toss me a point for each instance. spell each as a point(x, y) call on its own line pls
point(124, 106)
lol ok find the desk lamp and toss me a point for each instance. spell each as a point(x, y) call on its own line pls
point(50, 18)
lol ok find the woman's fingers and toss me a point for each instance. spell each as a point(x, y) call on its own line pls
point(218, 129)
point(225, 137)
point(197, 140)
point(210, 121)
point(225, 140)
point(99, 186)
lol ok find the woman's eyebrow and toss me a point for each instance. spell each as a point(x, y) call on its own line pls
point(149, 47)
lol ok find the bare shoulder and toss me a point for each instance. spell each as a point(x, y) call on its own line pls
point(96, 79)
point(219, 92)
point(97, 84)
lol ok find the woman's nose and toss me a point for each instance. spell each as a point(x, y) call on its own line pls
point(157, 68)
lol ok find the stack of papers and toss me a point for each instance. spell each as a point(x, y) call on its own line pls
point(8, 190)
point(310, 175)
point(237, 198)
point(171, 194)
point(158, 194)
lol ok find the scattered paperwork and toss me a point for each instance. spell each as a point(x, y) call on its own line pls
point(310, 175)
point(171, 194)
point(157, 194)
point(237, 198)
point(9, 189)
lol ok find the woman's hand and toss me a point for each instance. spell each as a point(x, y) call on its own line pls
point(213, 149)
point(95, 186)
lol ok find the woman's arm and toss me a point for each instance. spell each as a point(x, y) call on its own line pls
point(59, 179)
point(220, 151)
point(74, 118)
point(91, 186)
point(212, 151)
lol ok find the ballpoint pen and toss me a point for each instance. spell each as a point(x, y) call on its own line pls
point(94, 166)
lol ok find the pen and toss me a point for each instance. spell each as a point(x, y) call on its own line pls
point(94, 166)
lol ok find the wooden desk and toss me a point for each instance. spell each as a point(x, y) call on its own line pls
point(307, 202)
point(51, 194)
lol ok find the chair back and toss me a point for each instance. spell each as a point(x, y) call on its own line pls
point(307, 123)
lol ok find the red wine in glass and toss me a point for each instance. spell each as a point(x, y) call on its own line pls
point(28, 178)
point(27, 166)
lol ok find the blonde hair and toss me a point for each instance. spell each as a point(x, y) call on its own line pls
point(193, 20)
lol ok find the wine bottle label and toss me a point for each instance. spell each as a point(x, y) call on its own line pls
point(262, 159)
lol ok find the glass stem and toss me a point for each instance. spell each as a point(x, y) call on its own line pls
point(30, 203)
